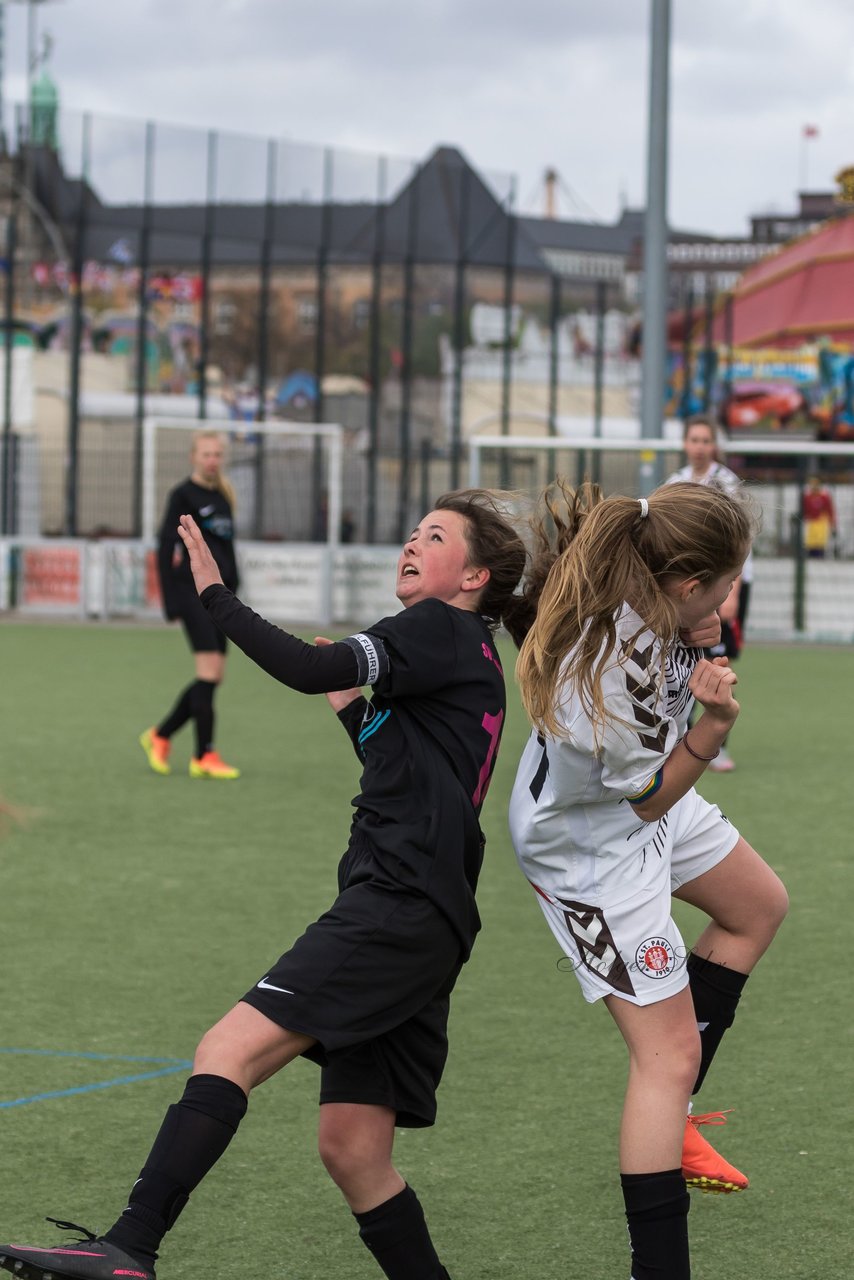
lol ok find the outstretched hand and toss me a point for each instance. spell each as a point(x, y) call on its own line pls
point(341, 698)
point(202, 564)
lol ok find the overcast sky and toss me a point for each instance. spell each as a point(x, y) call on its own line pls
point(518, 87)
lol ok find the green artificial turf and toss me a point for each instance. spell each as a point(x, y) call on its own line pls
point(137, 909)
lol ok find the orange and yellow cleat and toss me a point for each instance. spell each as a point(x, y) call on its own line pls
point(702, 1166)
point(211, 765)
point(157, 750)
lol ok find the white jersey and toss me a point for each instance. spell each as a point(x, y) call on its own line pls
point(571, 792)
point(717, 477)
point(603, 875)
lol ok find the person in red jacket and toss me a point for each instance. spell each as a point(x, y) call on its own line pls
point(819, 517)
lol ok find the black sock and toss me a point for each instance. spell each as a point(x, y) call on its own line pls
point(179, 715)
point(193, 1136)
point(201, 703)
point(397, 1236)
point(657, 1213)
point(715, 990)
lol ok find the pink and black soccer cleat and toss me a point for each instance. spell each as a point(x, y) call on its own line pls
point(87, 1259)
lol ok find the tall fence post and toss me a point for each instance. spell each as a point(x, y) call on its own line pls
point(407, 329)
point(426, 450)
point(265, 268)
point(507, 352)
point(144, 263)
point(800, 567)
point(76, 337)
point(685, 403)
point(459, 326)
point(317, 503)
point(375, 352)
point(598, 375)
point(709, 360)
point(8, 463)
point(207, 260)
point(554, 349)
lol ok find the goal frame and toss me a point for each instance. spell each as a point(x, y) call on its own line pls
point(329, 433)
point(754, 445)
point(332, 432)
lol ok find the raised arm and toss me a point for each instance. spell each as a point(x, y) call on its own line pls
point(304, 667)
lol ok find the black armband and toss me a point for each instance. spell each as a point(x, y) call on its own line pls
point(370, 656)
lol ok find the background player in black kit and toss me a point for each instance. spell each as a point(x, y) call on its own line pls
point(365, 991)
point(208, 497)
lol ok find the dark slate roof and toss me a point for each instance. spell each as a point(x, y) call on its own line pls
point(457, 216)
point(599, 237)
point(456, 213)
point(237, 232)
point(587, 237)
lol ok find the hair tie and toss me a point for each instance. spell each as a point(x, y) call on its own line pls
point(644, 506)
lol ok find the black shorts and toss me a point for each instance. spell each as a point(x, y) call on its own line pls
point(203, 635)
point(371, 981)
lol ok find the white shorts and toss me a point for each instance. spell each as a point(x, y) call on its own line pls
point(625, 942)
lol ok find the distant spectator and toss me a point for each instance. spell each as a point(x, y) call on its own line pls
point(348, 526)
point(819, 515)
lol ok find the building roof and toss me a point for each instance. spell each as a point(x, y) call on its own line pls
point(803, 292)
point(456, 217)
point(587, 237)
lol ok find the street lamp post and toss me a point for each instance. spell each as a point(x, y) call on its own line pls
point(655, 244)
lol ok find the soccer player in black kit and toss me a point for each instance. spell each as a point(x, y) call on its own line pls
point(207, 496)
point(365, 991)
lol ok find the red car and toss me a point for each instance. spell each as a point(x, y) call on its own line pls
point(751, 402)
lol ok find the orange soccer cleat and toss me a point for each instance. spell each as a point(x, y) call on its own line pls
point(211, 765)
point(157, 750)
point(702, 1166)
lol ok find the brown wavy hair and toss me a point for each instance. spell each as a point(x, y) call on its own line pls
point(595, 553)
point(494, 543)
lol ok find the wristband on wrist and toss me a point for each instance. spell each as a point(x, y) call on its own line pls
point(696, 754)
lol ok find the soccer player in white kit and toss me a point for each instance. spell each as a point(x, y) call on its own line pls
point(607, 825)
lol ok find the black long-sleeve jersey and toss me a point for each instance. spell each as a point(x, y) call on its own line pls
point(428, 737)
point(212, 512)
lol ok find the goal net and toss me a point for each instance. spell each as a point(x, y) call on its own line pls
point(287, 476)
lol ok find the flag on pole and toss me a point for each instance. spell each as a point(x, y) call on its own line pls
point(810, 130)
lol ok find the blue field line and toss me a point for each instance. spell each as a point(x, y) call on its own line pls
point(168, 1066)
point(96, 1057)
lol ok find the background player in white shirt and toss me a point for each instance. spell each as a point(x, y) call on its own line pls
point(700, 442)
point(607, 825)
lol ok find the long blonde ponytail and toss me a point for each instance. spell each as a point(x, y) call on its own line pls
point(614, 551)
